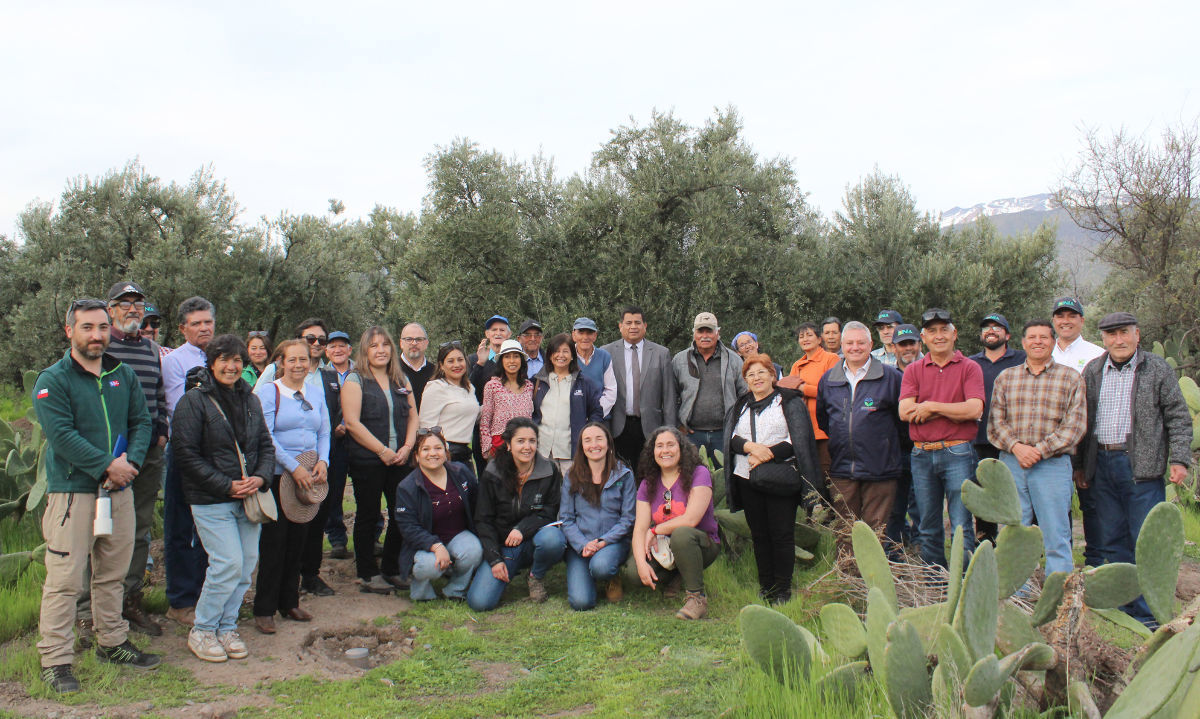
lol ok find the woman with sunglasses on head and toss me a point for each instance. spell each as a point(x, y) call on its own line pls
point(675, 500)
point(258, 349)
point(771, 453)
point(519, 495)
point(381, 419)
point(434, 508)
point(507, 395)
point(449, 402)
point(298, 423)
point(596, 513)
point(563, 401)
point(224, 454)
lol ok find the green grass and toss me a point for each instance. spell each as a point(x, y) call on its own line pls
point(13, 402)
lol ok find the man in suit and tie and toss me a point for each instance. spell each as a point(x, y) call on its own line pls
point(645, 386)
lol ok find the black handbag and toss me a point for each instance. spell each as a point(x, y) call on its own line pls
point(781, 479)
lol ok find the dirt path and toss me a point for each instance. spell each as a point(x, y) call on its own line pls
point(343, 621)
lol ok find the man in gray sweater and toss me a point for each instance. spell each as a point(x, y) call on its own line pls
point(1138, 429)
point(708, 380)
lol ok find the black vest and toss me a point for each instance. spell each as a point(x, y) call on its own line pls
point(333, 402)
point(374, 416)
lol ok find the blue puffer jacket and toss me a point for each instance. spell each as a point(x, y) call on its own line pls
point(865, 430)
point(585, 401)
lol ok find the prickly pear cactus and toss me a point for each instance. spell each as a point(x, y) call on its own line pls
point(775, 643)
point(995, 498)
point(872, 561)
point(1159, 553)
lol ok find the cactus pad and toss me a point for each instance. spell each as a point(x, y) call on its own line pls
point(1013, 630)
point(1111, 585)
point(1159, 554)
point(994, 499)
point(954, 583)
point(1159, 678)
point(1052, 594)
point(977, 612)
point(775, 644)
point(952, 654)
point(879, 615)
point(1018, 551)
point(872, 562)
point(909, 689)
point(844, 680)
point(844, 630)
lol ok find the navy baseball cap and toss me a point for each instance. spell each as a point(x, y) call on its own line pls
point(493, 320)
point(1067, 303)
point(339, 335)
point(905, 333)
point(997, 318)
point(887, 317)
point(151, 311)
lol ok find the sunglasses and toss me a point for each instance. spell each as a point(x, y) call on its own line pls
point(127, 304)
point(436, 431)
point(258, 333)
point(666, 501)
point(456, 344)
point(935, 315)
point(151, 324)
point(315, 340)
point(304, 404)
point(88, 304)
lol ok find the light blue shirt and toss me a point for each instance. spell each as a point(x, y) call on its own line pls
point(294, 429)
point(313, 382)
point(175, 367)
point(533, 365)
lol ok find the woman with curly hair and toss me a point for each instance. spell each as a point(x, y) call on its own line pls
point(675, 524)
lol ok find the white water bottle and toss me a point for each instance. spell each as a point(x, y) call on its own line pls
point(102, 525)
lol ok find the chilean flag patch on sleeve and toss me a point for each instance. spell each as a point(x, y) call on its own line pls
point(43, 393)
point(114, 383)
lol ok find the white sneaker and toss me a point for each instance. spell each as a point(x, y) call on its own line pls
point(206, 646)
point(234, 647)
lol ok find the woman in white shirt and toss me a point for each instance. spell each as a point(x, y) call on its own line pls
point(449, 401)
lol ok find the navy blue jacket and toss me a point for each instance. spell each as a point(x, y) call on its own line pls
point(585, 402)
point(992, 370)
point(414, 510)
point(864, 431)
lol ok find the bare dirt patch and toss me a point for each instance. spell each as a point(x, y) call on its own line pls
point(384, 645)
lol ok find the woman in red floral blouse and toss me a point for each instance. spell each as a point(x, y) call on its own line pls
point(507, 395)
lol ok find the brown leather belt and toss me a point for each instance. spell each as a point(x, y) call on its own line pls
point(929, 446)
point(1112, 447)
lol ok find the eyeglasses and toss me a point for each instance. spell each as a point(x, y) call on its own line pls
point(935, 315)
point(151, 324)
point(315, 340)
point(258, 333)
point(127, 304)
point(666, 501)
point(414, 340)
point(304, 404)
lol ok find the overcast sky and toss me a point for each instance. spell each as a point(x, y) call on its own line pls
point(297, 103)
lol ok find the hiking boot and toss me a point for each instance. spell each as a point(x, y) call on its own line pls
point(60, 678)
point(316, 587)
point(695, 607)
point(84, 633)
point(128, 655)
point(396, 581)
point(614, 592)
point(673, 587)
point(339, 551)
point(138, 620)
point(206, 646)
point(184, 615)
point(233, 645)
point(537, 589)
point(376, 585)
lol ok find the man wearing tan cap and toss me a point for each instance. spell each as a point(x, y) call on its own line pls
point(708, 379)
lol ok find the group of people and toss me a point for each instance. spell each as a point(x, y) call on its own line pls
point(516, 454)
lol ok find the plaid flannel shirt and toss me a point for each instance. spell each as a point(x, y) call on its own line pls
point(1047, 411)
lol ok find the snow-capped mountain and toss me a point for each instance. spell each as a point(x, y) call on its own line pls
point(1009, 205)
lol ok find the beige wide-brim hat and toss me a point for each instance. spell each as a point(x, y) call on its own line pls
point(298, 505)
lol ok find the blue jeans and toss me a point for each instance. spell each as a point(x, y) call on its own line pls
point(183, 552)
point(231, 541)
point(1121, 506)
point(583, 573)
point(711, 440)
point(938, 475)
point(1045, 491)
point(465, 555)
point(539, 553)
